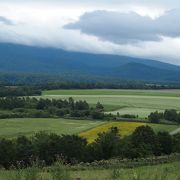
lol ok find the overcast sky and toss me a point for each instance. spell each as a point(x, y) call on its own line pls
point(136, 28)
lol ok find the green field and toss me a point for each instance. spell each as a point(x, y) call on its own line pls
point(10, 128)
point(137, 102)
point(167, 93)
point(14, 127)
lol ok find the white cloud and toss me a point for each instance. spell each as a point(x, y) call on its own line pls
point(40, 23)
point(5, 21)
point(130, 27)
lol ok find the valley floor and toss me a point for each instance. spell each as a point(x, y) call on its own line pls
point(136, 102)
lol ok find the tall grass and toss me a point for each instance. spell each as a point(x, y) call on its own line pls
point(59, 171)
point(62, 172)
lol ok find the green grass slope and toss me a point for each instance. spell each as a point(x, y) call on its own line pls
point(10, 128)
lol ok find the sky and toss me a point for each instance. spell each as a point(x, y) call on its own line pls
point(137, 28)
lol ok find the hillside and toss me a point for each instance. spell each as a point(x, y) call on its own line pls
point(26, 59)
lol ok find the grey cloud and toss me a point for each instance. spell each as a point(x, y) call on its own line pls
point(6, 21)
point(124, 28)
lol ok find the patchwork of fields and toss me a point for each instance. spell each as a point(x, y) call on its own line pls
point(10, 128)
point(137, 102)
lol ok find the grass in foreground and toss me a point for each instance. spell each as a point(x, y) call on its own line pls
point(168, 171)
point(158, 172)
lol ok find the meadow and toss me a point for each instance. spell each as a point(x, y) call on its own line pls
point(169, 171)
point(159, 172)
point(136, 102)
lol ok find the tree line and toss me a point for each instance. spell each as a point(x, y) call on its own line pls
point(100, 85)
point(169, 114)
point(45, 148)
point(6, 91)
point(48, 84)
point(39, 108)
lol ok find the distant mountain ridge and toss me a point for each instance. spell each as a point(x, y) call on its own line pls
point(26, 59)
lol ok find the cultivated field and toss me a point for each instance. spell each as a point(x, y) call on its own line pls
point(27, 126)
point(125, 128)
point(10, 128)
point(137, 102)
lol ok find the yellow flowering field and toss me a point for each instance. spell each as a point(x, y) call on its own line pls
point(125, 128)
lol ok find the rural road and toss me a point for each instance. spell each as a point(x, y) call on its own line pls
point(175, 131)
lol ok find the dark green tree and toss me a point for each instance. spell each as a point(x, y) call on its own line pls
point(99, 106)
point(165, 141)
point(170, 114)
point(106, 145)
point(155, 117)
point(144, 140)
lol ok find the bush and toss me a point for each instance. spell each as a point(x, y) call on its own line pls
point(176, 143)
point(155, 117)
point(131, 116)
point(144, 141)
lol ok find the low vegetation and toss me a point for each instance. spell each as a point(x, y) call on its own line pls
point(59, 171)
point(143, 142)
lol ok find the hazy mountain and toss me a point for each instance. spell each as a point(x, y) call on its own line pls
point(26, 59)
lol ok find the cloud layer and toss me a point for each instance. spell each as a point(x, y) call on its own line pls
point(133, 28)
point(123, 28)
point(6, 21)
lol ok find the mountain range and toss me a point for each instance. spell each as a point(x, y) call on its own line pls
point(20, 59)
